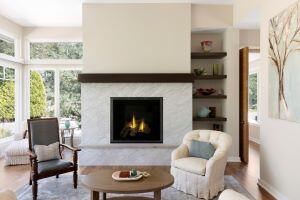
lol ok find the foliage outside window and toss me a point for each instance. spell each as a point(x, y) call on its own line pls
point(7, 101)
point(253, 116)
point(70, 92)
point(7, 46)
point(43, 99)
point(42, 93)
point(56, 50)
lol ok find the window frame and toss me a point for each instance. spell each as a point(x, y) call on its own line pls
point(30, 61)
point(17, 48)
point(56, 69)
point(18, 95)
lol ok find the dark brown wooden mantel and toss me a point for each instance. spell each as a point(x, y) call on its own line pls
point(136, 78)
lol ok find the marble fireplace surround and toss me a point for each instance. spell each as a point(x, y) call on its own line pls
point(96, 146)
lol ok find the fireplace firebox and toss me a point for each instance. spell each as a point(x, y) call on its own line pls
point(136, 120)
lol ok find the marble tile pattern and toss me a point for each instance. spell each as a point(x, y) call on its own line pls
point(95, 98)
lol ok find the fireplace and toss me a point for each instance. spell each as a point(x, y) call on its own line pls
point(136, 120)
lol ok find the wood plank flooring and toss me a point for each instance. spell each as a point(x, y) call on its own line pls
point(16, 176)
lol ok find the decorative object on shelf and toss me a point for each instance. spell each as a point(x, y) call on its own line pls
point(206, 45)
point(213, 112)
point(220, 92)
point(216, 69)
point(283, 64)
point(205, 92)
point(200, 72)
point(203, 112)
point(218, 127)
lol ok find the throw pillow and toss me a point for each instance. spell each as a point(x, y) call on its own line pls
point(47, 152)
point(201, 149)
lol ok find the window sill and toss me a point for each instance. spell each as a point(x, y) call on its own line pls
point(11, 58)
point(6, 140)
point(54, 62)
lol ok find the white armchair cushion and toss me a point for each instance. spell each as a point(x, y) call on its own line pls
point(47, 152)
point(192, 164)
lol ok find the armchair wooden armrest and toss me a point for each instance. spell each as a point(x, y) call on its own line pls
point(32, 155)
point(70, 148)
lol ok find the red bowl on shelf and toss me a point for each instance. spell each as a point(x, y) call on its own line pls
point(206, 92)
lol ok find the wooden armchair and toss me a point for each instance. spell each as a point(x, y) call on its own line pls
point(45, 132)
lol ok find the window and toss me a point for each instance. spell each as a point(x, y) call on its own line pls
point(55, 93)
point(70, 92)
point(7, 102)
point(56, 50)
point(7, 46)
point(253, 115)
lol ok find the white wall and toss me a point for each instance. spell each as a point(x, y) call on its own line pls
point(280, 161)
point(246, 14)
point(231, 104)
point(211, 16)
point(136, 38)
point(249, 38)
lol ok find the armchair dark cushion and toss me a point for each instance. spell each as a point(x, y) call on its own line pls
point(50, 165)
point(43, 132)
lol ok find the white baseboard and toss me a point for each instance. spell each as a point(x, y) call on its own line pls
point(270, 189)
point(257, 141)
point(234, 159)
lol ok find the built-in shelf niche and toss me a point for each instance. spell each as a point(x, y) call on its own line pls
point(206, 60)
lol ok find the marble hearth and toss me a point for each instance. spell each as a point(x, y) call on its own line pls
point(96, 146)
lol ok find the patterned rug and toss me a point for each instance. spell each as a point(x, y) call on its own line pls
point(62, 189)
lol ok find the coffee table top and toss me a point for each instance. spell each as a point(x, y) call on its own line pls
point(102, 181)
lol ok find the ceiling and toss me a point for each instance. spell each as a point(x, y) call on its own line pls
point(47, 13)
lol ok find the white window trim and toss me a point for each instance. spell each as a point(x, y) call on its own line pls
point(17, 47)
point(56, 69)
point(49, 61)
point(18, 92)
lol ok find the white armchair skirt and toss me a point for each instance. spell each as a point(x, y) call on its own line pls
point(195, 185)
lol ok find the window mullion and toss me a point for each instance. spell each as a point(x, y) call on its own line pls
point(56, 93)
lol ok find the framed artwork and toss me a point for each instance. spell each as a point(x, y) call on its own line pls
point(284, 64)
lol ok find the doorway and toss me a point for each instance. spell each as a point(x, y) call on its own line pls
point(249, 118)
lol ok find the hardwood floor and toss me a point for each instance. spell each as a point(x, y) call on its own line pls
point(16, 176)
point(248, 175)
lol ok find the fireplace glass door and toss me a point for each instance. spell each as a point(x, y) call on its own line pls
point(136, 120)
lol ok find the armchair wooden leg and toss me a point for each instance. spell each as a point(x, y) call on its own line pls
point(57, 176)
point(34, 190)
point(30, 181)
point(75, 179)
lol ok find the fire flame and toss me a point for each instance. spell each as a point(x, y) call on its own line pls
point(142, 126)
point(133, 123)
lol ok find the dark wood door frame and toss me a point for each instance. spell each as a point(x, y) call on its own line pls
point(243, 117)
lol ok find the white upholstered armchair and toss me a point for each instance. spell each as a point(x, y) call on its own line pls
point(199, 177)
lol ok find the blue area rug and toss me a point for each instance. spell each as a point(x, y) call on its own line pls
point(62, 189)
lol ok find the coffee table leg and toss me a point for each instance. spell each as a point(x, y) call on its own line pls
point(157, 195)
point(94, 195)
point(103, 196)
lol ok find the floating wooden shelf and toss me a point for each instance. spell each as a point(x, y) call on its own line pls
point(210, 77)
point(208, 55)
point(221, 96)
point(220, 119)
point(136, 78)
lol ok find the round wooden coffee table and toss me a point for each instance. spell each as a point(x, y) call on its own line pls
point(102, 182)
